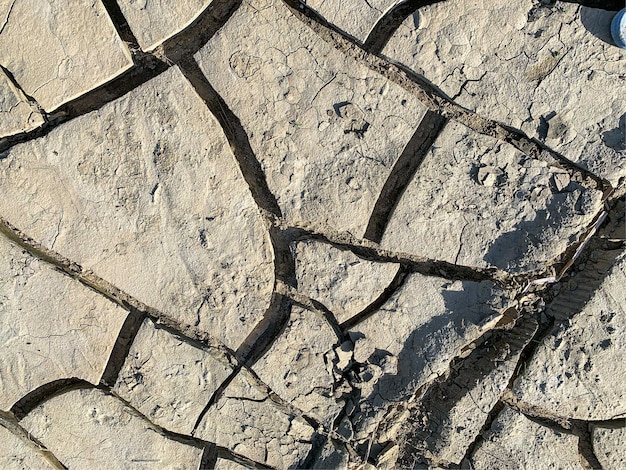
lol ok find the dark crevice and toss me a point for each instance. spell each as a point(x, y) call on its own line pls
point(122, 345)
point(146, 65)
point(433, 415)
point(227, 454)
point(402, 172)
point(266, 331)
point(215, 397)
point(236, 135)
point(31, 100)
point(610, 5)
point(386, 26)
point(437, 101)
point(372, 308)
point(121, 25)
point(208, 460)
point(34, 398)
point(86, 277)
point(372, 252)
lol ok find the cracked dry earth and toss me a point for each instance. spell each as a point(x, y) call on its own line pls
point(332, 234)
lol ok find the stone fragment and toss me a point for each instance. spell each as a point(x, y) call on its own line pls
point(339, 279)
point(454, 210)
point(88, 428)
point(248, 422)
point(301, 352)
point(152, 22)
point(16, 114)
point(62, 51)
point(608, 446)
point(355, 17)
point(573, 373)
point(169, 380)
point(549, 70)
point(413, 337)
point(51, 326)
point(16, 454)
point(290, 89)
point(146, 193)
point(515, 441)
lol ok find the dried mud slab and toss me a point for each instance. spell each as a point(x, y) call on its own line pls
point(325, 128)
point(574, 372)
point(64, 50)
point(51, 327)
point(355, 17)
point(550, 70)
point(452, 414)
point(339, 279)
point(303, 351)
point(146, 192)
point(169, 380)
point(152, 22)
point(478, 202)
point(412, 339)
point(87, 428)
point(16, 454)
point(515, 441)
point(608, 445)
point(246, 420)
point(16, 113)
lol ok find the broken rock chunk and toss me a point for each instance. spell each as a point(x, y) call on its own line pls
point(51, 326)
point(88, 428)
point(168, 379)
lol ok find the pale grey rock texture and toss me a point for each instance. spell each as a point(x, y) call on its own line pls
point(146, 193)
point(169, 380)
point(515, 442)
point(223, 464)
point(51, 326)
point(154, 21)
point(247, 421)
point(58, 50)
point(574, 372)
point(16, 113)
point(608, 446)
point(325, 128)
point(355, 17)
point(551, 71)
point(88, 428)
point(303, 352)
point(413, 337)
point(480, 202)
point(15, 454)
point(339, 279)
point(453, 413)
